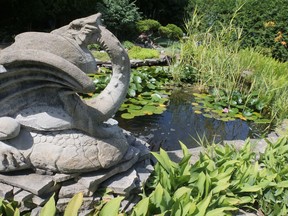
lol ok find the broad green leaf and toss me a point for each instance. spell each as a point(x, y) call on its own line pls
point(137, 79)
point(221, 186)
point(201, 183)
point(251, 188)
point(165, 161)
point(282, 184)
point(112, 207)
point(16, 212)
point(141, 208)
point(157, 195)
point(181, 191)
point(220, 211)
point(203, 205)
point(177, 209)
point(49, 208)
point(74, 205)
point(184, 149)
point(131, 92)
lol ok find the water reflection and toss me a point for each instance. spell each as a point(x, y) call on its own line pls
point(179, 122)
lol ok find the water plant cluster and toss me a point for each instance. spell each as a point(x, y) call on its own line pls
point(148, 92)
point(224, 107)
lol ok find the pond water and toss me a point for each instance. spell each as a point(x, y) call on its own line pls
point(180, 123)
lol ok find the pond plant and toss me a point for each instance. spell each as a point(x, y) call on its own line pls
point(148, 92)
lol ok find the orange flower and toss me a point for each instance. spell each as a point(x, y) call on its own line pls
point(283, 43)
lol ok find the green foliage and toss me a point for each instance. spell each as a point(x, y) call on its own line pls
point(111, 208)
point(171, 31)
point(49, 208)
point(147, 26)
point(9, 208)
point(220, 182)
point(74, 205)
point(94, 47)
point(165, 11)
point(216, 61)
point(128, 45)
point(119, 16)
point(137, 52)
point(263, 23)
point(147, 92)
point(100, 55)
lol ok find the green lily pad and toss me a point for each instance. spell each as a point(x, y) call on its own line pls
point(207, 115)
point(155, 97)
point(197, 112)
point(127, 116)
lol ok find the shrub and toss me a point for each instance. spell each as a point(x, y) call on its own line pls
point(137, 52)
point(128, 45)
point(171, 31)
point(119, 16)
point(176, 32)
point(148, 25)
point(164, 31)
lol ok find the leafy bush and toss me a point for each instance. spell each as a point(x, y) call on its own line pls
point(147, 26)
point(94, 47)
point(176, 32)
point(128, 45)
point(137, 52)
point(221, 182)
point(164, 31)
point(171, 31)
point(119, 16)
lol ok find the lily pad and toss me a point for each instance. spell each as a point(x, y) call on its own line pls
point(127, 116)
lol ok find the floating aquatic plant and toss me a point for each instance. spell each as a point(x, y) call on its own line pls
point(225, 107)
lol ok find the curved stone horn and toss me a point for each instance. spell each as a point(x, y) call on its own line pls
point(110, 99)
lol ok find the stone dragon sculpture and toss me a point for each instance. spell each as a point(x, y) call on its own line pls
point(44, 123)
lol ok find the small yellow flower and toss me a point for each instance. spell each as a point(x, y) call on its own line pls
point(269, 24)
point(278, 38)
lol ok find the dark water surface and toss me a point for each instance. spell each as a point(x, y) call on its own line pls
point(180, 123)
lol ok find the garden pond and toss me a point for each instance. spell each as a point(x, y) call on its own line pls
point(180, 122)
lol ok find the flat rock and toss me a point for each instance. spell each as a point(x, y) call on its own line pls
point(23, 196)
point(69, 190)
point(34, 183)
point(59, 177)
point(6, 191)
point(122, 183)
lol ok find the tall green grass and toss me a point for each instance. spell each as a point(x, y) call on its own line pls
point(216, 61)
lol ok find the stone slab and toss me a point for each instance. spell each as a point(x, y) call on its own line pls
point(122, 183)
point(6, 191)
point(34, 183)
point(59, 177)
point(69, 190)
point(23, 196)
